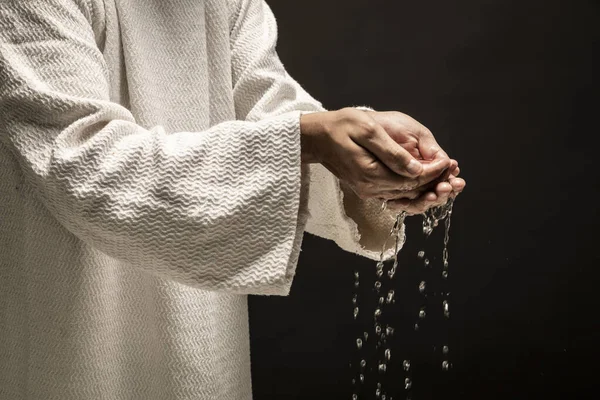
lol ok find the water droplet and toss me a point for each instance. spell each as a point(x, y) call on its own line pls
point(416, 327)
point(377, 285)
point(382, 367)
point(422, 286)
point(378, 329)
point(406, 365)
point(363, 363)
point(445, 264)
point(426, 262)
point(377, 392)
point(445, 365)
point(407, 383)
point(388, 354)
point(354, 299)
point(359, 343)
point(362, 378)
point(421, 254)
point(391, 273)
point(445, 349)
point(377, 312)
point(355, 312)
point(381, 300)
point(379, 273)
point(390, 296)
point(356, 284)
point(356, 275)
point(353, 381)
point(445, 274)
point(446, 309)
point(379, 265)
point(354, 396)
point(366, 335)
point(378, 385)
point(389, 331)
point(422, 313)
point(383, 397)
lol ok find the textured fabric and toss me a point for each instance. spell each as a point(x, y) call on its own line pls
point(150, 179)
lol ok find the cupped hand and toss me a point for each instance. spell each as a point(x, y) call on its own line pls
point(357, 150)
point(418, 201)
point(409, 133)
point(418, 140)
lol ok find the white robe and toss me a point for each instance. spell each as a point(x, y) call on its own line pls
point(150, 179)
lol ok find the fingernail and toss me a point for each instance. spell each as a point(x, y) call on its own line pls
point(414, 167)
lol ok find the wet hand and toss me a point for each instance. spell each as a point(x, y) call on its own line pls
point(418, 201)
point(357, 150)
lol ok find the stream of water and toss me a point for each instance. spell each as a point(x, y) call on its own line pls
point(384, 293)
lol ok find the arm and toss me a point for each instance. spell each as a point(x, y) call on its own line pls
point(263, 89)
point(215, 209)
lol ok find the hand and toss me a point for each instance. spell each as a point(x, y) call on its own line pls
point(417, 202)
point(413, 136)
point(420, 143)
point(356, 149)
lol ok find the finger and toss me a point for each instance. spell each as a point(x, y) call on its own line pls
point(442, 178)
point(393, 155)
point(458, 184)
point(428, 146)
point(453, 166)
point(432, 170)
point(389, 182)
point(426, 201)
point(443, 194)
point(443, 189)
point(456, 171)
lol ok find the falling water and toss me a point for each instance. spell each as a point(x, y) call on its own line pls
point(384, 298)
point(431, 220)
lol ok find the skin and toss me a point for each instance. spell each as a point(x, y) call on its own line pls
point(421, 144)
point(373, 153)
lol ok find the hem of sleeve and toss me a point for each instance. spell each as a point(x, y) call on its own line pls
point(354, 245)
point(364, 108)
point(282, 287)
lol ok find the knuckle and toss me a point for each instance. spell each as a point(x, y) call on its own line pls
point(371, 170)
point(346, 113)
point(369, 130)
point(426, 131)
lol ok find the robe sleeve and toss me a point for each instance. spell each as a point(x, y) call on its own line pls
point(216, 210)
point(263, 89)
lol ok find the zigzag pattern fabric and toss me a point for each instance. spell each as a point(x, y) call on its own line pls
point(150, 179)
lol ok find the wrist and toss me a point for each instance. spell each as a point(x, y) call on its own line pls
point(312, 130)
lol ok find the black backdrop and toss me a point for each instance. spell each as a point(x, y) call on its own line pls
point(507, 88)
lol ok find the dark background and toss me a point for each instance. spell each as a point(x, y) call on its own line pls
point(508, 89)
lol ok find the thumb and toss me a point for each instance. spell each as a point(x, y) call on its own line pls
point(428, 146)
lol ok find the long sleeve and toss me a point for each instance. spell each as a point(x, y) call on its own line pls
point(216, 209)
point(263, 89)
